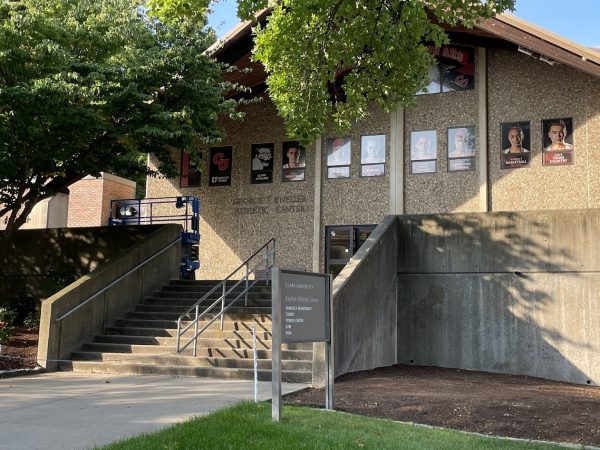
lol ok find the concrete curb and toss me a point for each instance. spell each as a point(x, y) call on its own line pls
point(21, 372)
point(490, 436)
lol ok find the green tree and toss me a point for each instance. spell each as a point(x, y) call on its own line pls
point(374, 47)
point(89, 86)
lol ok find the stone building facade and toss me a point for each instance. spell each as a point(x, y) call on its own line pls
point(511, 85)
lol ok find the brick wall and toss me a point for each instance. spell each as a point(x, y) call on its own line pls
point(89, 199)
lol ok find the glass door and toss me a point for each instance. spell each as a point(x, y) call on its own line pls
point(341, 243)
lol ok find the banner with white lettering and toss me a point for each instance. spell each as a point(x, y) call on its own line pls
point(220, 166)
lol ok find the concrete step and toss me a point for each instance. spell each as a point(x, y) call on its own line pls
point(180, 309)
point(144, 342)
point(103, 342)
point(234, 362)
point(196, 297)
point(216, 334)
point(205, 289)
point(237, 314)
point(262, 323)
point(176, 301)
point(172, 333)
point(261, 341)
point(211, 283)
point(288, 376)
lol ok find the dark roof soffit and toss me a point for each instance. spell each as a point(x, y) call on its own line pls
point(506, 27)
point(538, 40)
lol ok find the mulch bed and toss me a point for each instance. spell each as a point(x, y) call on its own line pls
point(487, 403)
point(21, 350)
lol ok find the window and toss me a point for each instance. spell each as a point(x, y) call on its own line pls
point(341, 243)
point(454, 70)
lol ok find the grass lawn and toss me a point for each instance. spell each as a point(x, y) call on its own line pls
point(249, 426)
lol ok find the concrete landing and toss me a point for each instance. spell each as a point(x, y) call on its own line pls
point(63, 410)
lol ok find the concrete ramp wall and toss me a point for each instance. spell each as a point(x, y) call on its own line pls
point(502, 292)
point(36, 261)
point(84, 308)
point(364, 304)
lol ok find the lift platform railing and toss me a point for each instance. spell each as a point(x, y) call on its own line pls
point(183, 210)
point(254, 269)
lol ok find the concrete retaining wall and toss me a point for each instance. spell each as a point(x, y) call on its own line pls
point(58, 339)
point(502, 292)
point(38, 260)
point(364, 304)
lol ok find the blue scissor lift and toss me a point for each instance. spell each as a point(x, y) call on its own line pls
point(148, 211)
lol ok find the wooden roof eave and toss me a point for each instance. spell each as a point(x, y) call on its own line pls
point(235, 46)
point(541, 41)
point(236, 36)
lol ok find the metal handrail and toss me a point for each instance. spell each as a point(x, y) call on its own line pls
point(268, 262)
point(105, 288)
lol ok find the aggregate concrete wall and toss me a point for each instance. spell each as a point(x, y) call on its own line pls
point(502, 292)
point(238, 219)
point(442, 191)
point(364, 304)
point(356, 200)
point(543, 92)
point(58, 338)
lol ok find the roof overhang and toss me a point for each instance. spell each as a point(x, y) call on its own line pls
point(538, 40)
point(503, 31)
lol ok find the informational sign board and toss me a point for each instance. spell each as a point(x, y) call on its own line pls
point(304, 306)
point(301, 313)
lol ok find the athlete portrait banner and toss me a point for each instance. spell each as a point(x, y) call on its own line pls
point(557, 136)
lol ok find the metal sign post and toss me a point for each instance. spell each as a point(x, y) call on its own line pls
point(328, 351)
point(301, 313)
point(276, 348)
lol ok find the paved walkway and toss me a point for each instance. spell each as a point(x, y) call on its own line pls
point(63, 410)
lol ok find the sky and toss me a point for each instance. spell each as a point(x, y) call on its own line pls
point(577, 20)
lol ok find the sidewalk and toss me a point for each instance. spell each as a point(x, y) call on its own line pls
point(63, 410)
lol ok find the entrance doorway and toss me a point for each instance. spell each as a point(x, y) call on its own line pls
point(341, 243)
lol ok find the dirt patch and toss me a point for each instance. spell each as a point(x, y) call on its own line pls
point(21, 350)
point(481, 402)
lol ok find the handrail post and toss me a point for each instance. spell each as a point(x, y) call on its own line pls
point(266, 262)
point(223, 303)
point(196, 330)
point(177, 345)
point(256, 256)
point(246, 294)
point(273, 261)
point(255, 365)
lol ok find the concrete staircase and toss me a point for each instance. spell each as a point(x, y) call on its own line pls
point(144, 342)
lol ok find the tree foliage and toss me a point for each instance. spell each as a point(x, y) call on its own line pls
point(89, 86)
point(172, 11)
point(374, 47)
